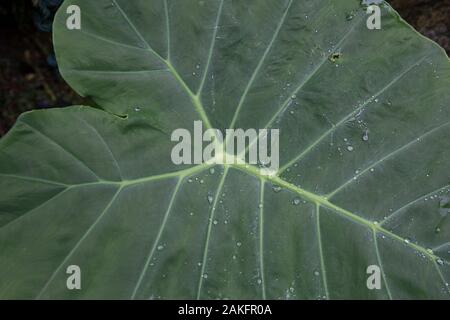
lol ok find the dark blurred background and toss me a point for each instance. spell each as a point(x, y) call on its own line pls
point(29, 76)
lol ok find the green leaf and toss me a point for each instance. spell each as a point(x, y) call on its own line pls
point(364, 121)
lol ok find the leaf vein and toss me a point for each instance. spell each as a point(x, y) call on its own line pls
point(53, 142)
point(158, 238)
point(261, 239)
point(259, 65)
point(349, 116)
point(322, 260)
point(80, 241)
point(386, 157)
point(380, 263)
point(211, 49)
point(208, 234)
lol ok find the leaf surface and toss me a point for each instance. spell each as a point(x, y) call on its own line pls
point(364, 121)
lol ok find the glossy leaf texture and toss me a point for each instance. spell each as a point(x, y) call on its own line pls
point(364, 121)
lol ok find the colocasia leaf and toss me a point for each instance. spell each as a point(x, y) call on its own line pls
point(364, 120)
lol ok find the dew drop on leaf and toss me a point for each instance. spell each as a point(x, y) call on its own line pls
point(276, 189)
point(365, 136)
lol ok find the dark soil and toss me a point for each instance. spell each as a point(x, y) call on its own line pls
point(429, 17)
point(29, 81)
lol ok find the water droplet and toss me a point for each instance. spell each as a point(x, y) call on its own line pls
point(440, 261)
point(294, 96)
point(239, 244)
point(437, 230)
point(199, 264)
point(316, 273)
point(350, 148)
point(276, 189)
point(189, 180)
point(296, 201)
point(210, 199)
point(215, 222)
point(205, 276)
point(407, 240)
point(260, 205)
point(212, 170)
point(160, 247)
point(259, 281)
point(137, 109)
point(191, 214)
point(365, 136)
